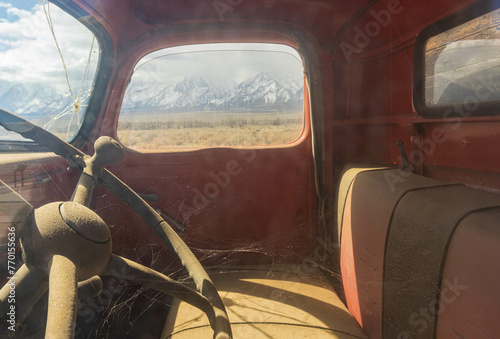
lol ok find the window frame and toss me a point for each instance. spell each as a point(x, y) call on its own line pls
point(485, 108)
point(165, 38)
point(100, 84)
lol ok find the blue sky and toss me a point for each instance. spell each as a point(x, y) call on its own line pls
point(11, 12)
point(21, 4)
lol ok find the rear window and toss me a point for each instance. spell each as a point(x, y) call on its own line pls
point(213, 95)
point(460, 68)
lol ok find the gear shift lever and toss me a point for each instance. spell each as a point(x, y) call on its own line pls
point(107, 151)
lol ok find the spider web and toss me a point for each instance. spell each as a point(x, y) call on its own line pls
point(126, 310)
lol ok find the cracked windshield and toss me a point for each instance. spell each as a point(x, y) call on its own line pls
point(214, 95)
point(48, 61)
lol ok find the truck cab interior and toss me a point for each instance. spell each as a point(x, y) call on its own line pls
point(250, 169)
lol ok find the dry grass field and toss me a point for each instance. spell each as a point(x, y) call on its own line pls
point(192, 129)
point(213, 129)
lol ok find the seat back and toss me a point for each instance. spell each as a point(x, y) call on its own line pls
point(400, 256)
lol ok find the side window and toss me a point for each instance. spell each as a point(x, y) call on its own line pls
point(461, 68)
point(46, 75)
point(214, 95)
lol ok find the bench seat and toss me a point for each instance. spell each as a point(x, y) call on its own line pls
point(418, 256)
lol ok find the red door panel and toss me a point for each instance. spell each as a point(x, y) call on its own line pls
point(251, 205)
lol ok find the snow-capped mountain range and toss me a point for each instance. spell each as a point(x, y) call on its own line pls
point(264, 91)
point(31, 99)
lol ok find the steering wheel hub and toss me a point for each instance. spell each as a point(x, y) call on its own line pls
point(85, 222)
point(71, 230)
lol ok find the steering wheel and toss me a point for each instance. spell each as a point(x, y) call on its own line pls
point(66, 246)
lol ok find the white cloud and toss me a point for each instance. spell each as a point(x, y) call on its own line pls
point(222, 61)
point(28, 51)
point(17, 12)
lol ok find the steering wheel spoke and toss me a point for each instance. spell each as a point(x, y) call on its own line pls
point(133, 272)
point(63, 298)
